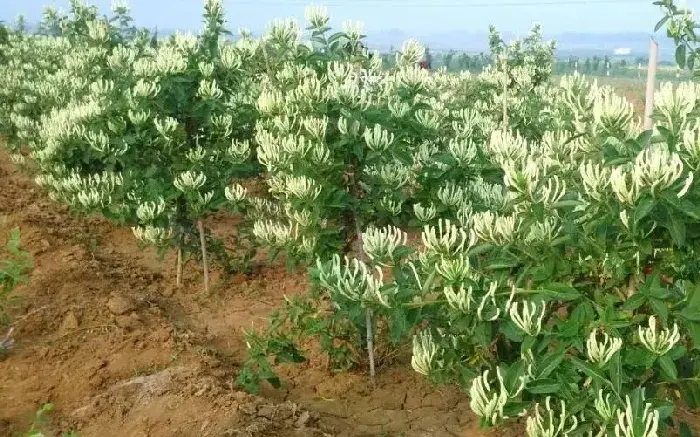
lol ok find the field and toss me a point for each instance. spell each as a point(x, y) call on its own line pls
point(104, 334)
point(289, 235)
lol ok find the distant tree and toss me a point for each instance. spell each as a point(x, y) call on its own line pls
point(21, 24)
point(587, 65)
point(447, 59)
point(428, 58)
point(596, 63)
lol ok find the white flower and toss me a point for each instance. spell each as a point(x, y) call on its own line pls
point(316, 15)
point(530, 318)
point(235, 193)
point(605, 408)
point(628, 421)
point(494, 228)
point(486, 401)
point(302, 187)
point(595, 179)
point(411, 53)
point(625, 190)
point(553, 424)
point(151, 234)
point(378, 139)
point(380, 244)
point(460, 300)
point(148, 211)
point(190, 181)
point(451, 195)
point(658, 342)
point(600, 352)
point(657, 169)
point(447, 239)
point(455, 269)
point(424, 352)
point(424, 214)
point(353, 30)
point(354, 280)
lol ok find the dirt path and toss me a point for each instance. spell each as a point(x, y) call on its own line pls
point(104, 335)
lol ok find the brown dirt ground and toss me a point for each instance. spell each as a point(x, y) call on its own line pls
point(103, 334)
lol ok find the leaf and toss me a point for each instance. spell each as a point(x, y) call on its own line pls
point(560, 292)
point(661, 22)
point(544, 386)
point(680, 55)
point(677, 229)
point(590, 370)
point(668, 367)
point(659, 307)
point(615, 371)
point(550, 362)
point(643, 209)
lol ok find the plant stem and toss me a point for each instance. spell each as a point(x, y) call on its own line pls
point(368, 314)
point(203, 246)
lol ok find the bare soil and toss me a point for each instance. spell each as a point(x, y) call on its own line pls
point(103, 333)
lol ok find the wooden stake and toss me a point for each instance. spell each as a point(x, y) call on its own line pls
point(651, 85)
point(179, 267)
point(505, 92)
point(203, 246)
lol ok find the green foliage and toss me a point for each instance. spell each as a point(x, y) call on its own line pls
point(41, 419)
point(14, 264)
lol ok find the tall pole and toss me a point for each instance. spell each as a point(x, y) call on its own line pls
point(651, 84)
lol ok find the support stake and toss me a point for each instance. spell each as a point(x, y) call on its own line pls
point(651, 85)
point(203, 246)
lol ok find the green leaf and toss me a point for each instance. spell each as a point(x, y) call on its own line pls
point(680, 56)
point(560, 292)
point(644, 207)
point(590, 370)
point(550, 362)
point(659, 307)
point(668, 367)
point(615, 371)
point(661, 22)
point(544, 386)
point(676, 227)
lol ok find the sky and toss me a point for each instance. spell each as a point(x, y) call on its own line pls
point(415, 16)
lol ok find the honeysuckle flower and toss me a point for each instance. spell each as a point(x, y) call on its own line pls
point(411, 52)
point(460, 300)
point(529, 318)
point(505, 147)
point(380, 244)
point(275, 234)
point(139, 118)
point(317, 16)
point(447, 239)
point(611, 113)
point(209, 90)
point(302, 187)
point(451, 195)
point(425, 352)
point(378, 139)
point(601, 351)
point(390, 205)
point(606, 408)
point(463, 151)
point(190, 181)
point(206, 68)
point(424, 214)
point(553, 424)
point(545, 231)
point(196, 155)
point(353, 29)
point(146, 89)
point(595, 178)
point(624, 186)
point(454, 270)
point(347, 128)
point(490, 297)
point(355, 281)
point(494, 228)
point(675, 106)
point(392, 176)
point(149, 211)
point(660, 341)
point(151, 234)
point(166, 126)
point(316, 127)
point(657, 169)
point(634, 424)
point(489, 402)
point(235, 193)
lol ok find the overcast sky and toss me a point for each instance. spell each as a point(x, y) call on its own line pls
point(415, 16)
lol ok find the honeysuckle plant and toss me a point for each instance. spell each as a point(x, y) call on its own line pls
point(153, 136)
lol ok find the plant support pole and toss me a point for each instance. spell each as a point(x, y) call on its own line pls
point(203, 245)
point(178, 280)
point(368, 314)
point(651, 85)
